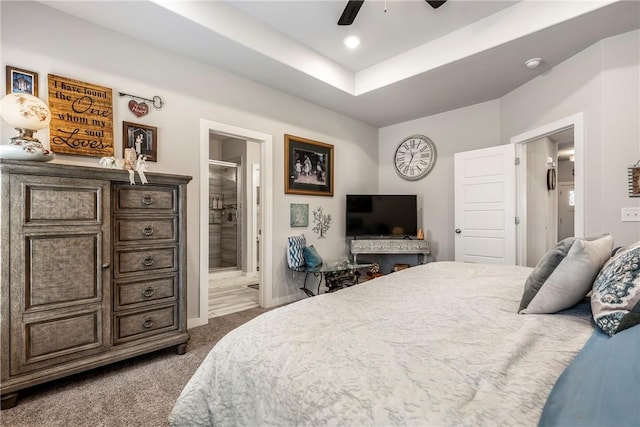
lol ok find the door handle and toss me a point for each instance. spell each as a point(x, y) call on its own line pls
point(458, 231)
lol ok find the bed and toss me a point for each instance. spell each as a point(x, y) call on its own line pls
point(438, 344)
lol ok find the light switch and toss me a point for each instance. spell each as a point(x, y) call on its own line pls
point(630, 214)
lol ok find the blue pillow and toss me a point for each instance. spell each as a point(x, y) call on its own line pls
point(311, 257)
point(601, 386)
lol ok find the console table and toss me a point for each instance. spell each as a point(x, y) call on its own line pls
point(390, 246)
point(336, 275)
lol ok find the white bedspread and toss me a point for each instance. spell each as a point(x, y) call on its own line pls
point(439, 344)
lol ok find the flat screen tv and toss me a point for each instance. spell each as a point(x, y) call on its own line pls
point(381, 215)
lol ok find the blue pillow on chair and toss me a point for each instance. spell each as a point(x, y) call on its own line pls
point(311, 256)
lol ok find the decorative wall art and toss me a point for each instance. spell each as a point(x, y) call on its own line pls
point(308, 167)
point(22, 81)
point(633, 175)
point(142, 138)
point(551, 179)
point(81, 117)
point(138, 105)
point(299, 214)
point(321, 222)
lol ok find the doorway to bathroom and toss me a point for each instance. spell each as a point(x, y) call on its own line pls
point(233, 272)
point(255, 149)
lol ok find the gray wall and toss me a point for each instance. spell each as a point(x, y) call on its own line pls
point(603, 82)
point(61, 44)
point(468, 128)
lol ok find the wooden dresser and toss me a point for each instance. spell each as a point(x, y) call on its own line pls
point(93, 269)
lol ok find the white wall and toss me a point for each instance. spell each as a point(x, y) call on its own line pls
point(464, 129)
point(64, 45)
point(603, 82)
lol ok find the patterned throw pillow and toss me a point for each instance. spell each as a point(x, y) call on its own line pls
point(615, 301)
point(295, 254)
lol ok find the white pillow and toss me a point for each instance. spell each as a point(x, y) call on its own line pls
point(573, 278)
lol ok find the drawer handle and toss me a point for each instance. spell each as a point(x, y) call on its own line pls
point(148, 292)
point(147, 323)
point(147, 231)
point(146, 200)
point(148, 261)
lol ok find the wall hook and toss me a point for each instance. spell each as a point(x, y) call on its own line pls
point(156, 101)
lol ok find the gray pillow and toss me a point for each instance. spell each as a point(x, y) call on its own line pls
point(572, 279)
point(543, 270)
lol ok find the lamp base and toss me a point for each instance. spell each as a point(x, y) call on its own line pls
point(25, 149)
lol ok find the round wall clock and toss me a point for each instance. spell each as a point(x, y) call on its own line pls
point(415, 157)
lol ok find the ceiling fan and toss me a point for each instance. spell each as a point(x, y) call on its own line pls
point(353, 6)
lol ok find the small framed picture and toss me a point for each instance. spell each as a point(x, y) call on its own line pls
point(299, 214)
point(633, 173)
point(142, 138)
point(308, 167)
point(22, 81)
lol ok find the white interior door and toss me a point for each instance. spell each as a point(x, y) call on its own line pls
point(485, 205)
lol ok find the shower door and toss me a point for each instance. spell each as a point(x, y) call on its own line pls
point(224, 225)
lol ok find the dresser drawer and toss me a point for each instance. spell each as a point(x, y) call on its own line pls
point(142, 260)
point(140, 324)
point(57, 336)
point(145, 198)
point(148, 229)
point(138, 293)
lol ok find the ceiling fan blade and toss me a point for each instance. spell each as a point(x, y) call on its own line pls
point(436, 3)
point(350, 12)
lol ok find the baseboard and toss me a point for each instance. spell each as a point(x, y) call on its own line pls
point(287, 299)
point(197, 321)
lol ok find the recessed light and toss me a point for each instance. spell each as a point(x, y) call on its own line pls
point(533, 63)
point(352, 42)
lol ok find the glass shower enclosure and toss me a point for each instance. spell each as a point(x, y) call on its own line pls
point(224, 212)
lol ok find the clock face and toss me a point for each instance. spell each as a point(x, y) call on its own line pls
point(415, 157)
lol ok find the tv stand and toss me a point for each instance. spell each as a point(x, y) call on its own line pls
point(390, 246)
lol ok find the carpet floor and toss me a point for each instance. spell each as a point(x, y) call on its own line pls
point(137, 392)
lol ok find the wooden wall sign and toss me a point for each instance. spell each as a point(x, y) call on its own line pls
point(81, 117)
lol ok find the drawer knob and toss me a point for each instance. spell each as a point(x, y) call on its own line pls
point(148, 292)
point(147, 231)
point(148, 261)
point(147, 323)
point(105, 265)
point(146, 200)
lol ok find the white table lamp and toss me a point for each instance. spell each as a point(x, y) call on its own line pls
point(27, 114)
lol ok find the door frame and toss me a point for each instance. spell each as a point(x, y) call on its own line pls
point(266, 198)
point(577, 122)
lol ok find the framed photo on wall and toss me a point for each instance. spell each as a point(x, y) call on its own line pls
point(308, 167)
point(142, 138)
point(22, 81)
point(299, 214)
